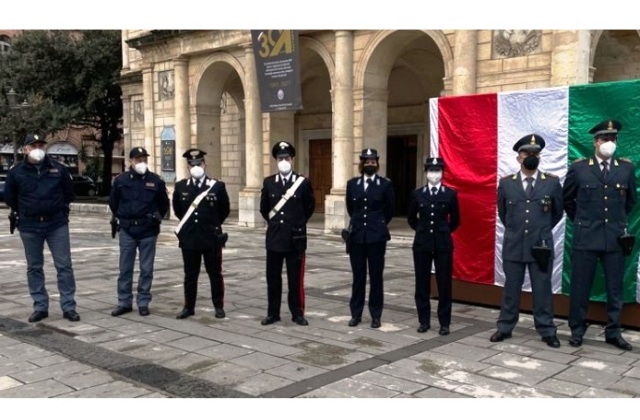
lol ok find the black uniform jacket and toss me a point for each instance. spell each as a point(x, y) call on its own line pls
point(205, 222)
point(370, 210)
point(434, 218)
point(291, 220)
point(528, 221)
point(597, 208)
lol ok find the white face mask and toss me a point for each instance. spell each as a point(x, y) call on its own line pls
point(434, 177)
point(197, 172)
point(141, 167)
point(607, 149)
point(36, 155)
point(284, 166)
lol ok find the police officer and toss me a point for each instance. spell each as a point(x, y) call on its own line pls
point(202, 205)
point(434, 215)
point(286, 203)
point(370, 204)
point(529, 206)
point(39, 190)
point(139, 201)
point(599, 193)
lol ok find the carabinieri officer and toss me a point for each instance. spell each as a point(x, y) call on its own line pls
point(202, 205)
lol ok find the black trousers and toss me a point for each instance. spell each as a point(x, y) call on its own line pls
point(295, 279)
point(583, 269)
point(363, 256)
point(192, 259)
point(444, 269)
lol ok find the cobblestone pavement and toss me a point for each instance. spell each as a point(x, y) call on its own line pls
point(159, 356)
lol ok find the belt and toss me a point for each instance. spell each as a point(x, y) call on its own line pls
point(41, 218)
point(133, 222)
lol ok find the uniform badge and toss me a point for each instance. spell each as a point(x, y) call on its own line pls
point(546, 203)
point(150, 184)
point(53, 170)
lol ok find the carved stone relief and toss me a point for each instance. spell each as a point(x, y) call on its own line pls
point(515, 42)
point(166, 85)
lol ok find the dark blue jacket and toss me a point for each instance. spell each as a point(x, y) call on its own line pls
point(291, 220)
point(140, 202)
point(370, 211)
point(39, 194)
point(599, 208)
point(434, 218)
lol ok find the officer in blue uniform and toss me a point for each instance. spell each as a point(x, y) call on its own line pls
point(286, 212)
point(370, 204)
point(529, 206)
point(202, 205)
point(139, 201)
point(434, 214)
point(39, 191)
point(599, 193)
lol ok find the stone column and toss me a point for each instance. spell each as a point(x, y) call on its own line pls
point(570, 57)
point(374, 129)
point(249, 197)
point(125, 49)
point(149, 139)
point(181, 104)
point(465, 59)
point(335, 211)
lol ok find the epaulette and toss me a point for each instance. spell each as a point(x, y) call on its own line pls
point(579, 159)
point(624, 159)
point(515, 176)
point(550, 175)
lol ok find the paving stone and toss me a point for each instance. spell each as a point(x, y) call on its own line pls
point(629, 386)
point(433, 392)
point(261, 383)
point(436, 363)
point(562, 387)
point(259, 361)
point(600, 393)
point(50, 372)
point(49, 360)
point(489, 384)
point(162, 336)
point(7, 382)
point(115, 389)
point(325, 392)
point(295, 371)
point(353, 388)
point(463, 351)
point(589, 377)
point(190, 343)
point(7, 341)
point(85, 379)
point(23, 351)
point(42, 389)
point(154, 352)
point(554, 356)
point(413, 371)
point(601, 366)
point(224, 352)
point(623, 359)
point(524, 363)
point(390, 382)
point(528, 378)
point(227, 373)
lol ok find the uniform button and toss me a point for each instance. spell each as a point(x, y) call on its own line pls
point(431, 231)
point(526, 231)
point(433, 205)
point(365, 199)
point(365, 215)
point(431, 222)
point(365, 207)
point(195, 212)
point(432, 214)
point(196, 221)
point(606, 186)
point(606, 198)
point(281, 221)
point(606, 209)
point(526, 221)
point(527, 211)
point(365, 223)
point(281, 212)
point(528, 201)
point(606, 220)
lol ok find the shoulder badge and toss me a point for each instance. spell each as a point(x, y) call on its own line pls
point(579, 160)
point(550, 175)
point(624, 159)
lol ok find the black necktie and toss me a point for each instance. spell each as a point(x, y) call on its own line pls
point(529, 189)
point(369, 181)
point(284, 181)
point(434, 190)
point(605, 169)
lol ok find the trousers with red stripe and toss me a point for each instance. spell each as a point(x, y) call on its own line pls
point(295, 279)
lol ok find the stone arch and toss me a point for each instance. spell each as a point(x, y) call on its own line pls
point(617, 57)
point(218, 130)
point(321, 50)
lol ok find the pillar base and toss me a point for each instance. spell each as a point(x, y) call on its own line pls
point(336, 217)
point(249, 209)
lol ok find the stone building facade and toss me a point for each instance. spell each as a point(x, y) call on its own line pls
point(360, 88)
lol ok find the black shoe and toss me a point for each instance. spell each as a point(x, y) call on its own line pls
point(300, 320)
point(186, 313)
point(444, 330)
point(423, 328)
point(71, 316)
point(270, 320)
point(38, 316)
point(499, 336)
point(375, 323)
point(220, 313)
point(575, 341)
point(619, 342)
point(353, 322)
point(121, 310)
point(552, 341)
point(143, 311)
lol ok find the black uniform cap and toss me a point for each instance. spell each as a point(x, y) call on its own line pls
point(606, 127)
point(529, 143)
point(137, 151)
point(434, 163)
point(283, 148)
point(194, 156)
point(33, 138)
point(369, 154)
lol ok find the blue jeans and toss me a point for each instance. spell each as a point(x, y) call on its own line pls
point(147, 254)
point(58, 243)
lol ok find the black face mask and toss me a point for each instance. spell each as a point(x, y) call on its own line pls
point(369, 170)
point(531, 162)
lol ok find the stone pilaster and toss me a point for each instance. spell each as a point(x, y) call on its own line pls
point(149, 137)
point(182, 127)
point(465, 59)
point(249, 198)
point(335, 211)
point(570, 57)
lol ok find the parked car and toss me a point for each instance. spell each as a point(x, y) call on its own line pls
point(84, 186)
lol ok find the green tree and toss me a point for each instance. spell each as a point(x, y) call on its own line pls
point(69, 77)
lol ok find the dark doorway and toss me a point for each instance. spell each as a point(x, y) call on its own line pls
point(401, 169)
point(320, 162)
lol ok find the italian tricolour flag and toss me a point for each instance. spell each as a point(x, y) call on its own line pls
point(475, 136)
